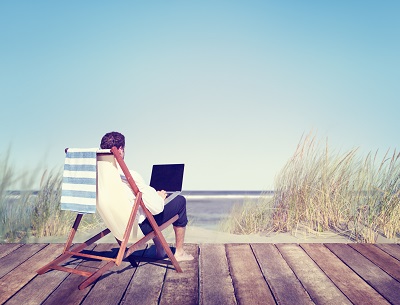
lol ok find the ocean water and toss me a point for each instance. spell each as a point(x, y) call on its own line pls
point(207, 209)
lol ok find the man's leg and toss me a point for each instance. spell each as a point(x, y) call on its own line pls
point(180, 254)
point(160, 252)
point(176, 206)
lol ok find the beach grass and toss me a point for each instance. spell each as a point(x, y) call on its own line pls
point(249, 217)
point(320, 190)
point(47, 218)
point(32, 211)
point(12, 225)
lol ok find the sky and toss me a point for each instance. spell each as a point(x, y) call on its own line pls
point(226, 87)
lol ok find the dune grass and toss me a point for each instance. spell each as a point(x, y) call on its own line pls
point(250, 217)
point(318, 190)
point(12, 225)
point(321, 190)
point(34, 211)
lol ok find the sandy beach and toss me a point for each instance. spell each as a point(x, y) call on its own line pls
point(199, 235)
point(206, 210)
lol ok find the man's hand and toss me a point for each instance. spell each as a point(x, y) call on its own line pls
point(163, 194)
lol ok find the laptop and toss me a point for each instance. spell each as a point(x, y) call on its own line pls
point(167, 177)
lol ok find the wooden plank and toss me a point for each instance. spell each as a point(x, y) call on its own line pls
point(321, 289)
point(344, 278)
point(67, 292)
point(147, 282)
point(284, 284)
point(216, 285)
point(379, 258)
point(392, 249)
point(116, 280)
point(6, 249)
point(387, 286)
point(38, 289)
point(248, 281)
point(55, 287)
point(20, 255)
point(18, 277)
point(182, 288)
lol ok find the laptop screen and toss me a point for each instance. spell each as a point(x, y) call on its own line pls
point(168, 177)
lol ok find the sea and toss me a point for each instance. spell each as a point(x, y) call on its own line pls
point(205, 209)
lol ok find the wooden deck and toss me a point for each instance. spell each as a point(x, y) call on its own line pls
point(220, 274)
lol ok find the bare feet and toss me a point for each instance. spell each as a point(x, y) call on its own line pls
point(180, 257)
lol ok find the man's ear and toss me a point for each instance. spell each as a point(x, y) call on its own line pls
point(121, 151)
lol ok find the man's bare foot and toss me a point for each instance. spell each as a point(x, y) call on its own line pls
point(180, 257)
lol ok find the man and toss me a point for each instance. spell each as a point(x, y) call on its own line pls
point(154, 202)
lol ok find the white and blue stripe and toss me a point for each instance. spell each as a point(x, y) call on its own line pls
point(79, 181)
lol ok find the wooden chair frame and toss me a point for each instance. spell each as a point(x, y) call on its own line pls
point(123, 251)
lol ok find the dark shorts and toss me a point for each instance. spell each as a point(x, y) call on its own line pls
point(177, 206)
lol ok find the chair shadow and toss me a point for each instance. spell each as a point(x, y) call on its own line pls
point(77, 260)
point(137, 259)
point(148, 256)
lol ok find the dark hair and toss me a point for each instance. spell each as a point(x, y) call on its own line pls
point(112, 139)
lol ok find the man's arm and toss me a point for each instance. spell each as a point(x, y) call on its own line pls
point(153, 200)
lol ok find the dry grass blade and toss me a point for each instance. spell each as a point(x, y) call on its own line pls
point(323, 190)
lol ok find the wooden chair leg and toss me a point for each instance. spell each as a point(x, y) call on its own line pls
point(123, 252)
point(67, 246)
point(96, 275)
point(73, 231)
point(68, 251)
point(167, 250)
point(157, 233)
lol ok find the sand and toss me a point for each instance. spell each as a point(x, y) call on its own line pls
point(199, 235)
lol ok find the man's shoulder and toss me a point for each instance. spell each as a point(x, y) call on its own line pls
point(135, 175)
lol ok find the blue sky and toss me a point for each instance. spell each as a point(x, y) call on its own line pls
point(227, 87)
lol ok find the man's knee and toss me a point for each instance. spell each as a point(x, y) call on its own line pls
point(180, 200)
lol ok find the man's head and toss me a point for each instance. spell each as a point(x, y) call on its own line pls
point(113, 139)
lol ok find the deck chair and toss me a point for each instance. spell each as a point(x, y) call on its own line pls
point(118, 214)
